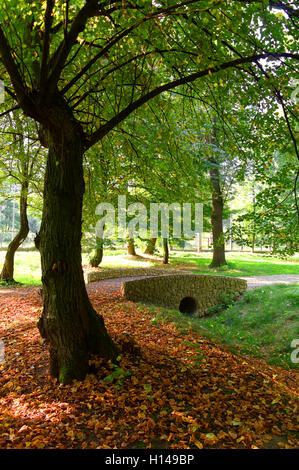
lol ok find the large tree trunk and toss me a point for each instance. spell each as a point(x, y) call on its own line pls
point(131, 247)
point(165, 251)
point(7, 273)
point(69, 323)
point(217, 220)
point(150, 247)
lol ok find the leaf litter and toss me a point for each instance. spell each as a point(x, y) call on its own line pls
point(169, 389)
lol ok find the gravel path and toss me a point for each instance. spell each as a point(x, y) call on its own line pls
point(111, 285)
point(114, 285)
point(260, 281)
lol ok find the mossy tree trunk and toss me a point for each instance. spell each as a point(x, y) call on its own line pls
point(7, 273)
point(69, 323)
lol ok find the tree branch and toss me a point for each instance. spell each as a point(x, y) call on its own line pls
point(103, 130)
point(91, 8)
point(12, 69)
point(46, 44)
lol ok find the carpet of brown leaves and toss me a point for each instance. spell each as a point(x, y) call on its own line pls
point(171, 390)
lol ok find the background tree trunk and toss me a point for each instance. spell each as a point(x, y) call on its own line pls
point(150, 247)
point(217, 219)
point(69, 323)
point(253, 243)
point(165, 251)
point(131, 247)
point(97, 256)
point(7, 273)
point(217, 207)
point(199, 243)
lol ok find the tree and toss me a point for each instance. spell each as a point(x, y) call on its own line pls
point(270, 218)
point(165, 251)
point(23, 165)
point(81, 68)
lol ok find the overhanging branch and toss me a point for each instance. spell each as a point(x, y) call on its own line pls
point(107, 127)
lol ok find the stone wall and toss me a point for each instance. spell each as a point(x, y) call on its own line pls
point(93, 275)
point(201, 291)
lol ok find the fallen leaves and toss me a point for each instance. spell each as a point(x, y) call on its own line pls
point(158, 396)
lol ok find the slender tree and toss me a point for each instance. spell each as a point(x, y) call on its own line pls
point(165, 251)
point(22, 165)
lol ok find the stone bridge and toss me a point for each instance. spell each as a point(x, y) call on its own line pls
point(191, 294)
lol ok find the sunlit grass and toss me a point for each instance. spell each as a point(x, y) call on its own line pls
point(28, 271)
point(238, 264)
point(26, 268)
point(262, 323)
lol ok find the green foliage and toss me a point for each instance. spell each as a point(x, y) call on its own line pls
point(111, 63)
point(117, 376)
point(226, 300)
point(272, 219)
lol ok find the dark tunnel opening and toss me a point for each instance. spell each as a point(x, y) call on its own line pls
point(188, 306)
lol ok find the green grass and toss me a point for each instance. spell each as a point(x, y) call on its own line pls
point(27, 267)
point(239, 264)
point(262, 323)
point(27, 264)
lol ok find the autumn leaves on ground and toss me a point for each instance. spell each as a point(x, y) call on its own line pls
point(170, 390)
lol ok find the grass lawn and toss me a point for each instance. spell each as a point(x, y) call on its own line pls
point(239, 264)
point(27, 267)
point(262, 323)
point(27, 264)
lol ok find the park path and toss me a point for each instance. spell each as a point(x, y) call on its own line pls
point(259, 281)
point(114, 285)
point(111, 285)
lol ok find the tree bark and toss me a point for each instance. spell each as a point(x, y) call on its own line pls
point(217, 219)
point(97, 257)
point(199, 243)
point(69, 323)
point(253, 243)
point(98, 252)
point(150, 247)
point(7, 273)
point(131, 247)
point(165, 251)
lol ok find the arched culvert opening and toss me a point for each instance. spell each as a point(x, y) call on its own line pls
point(188, 306)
